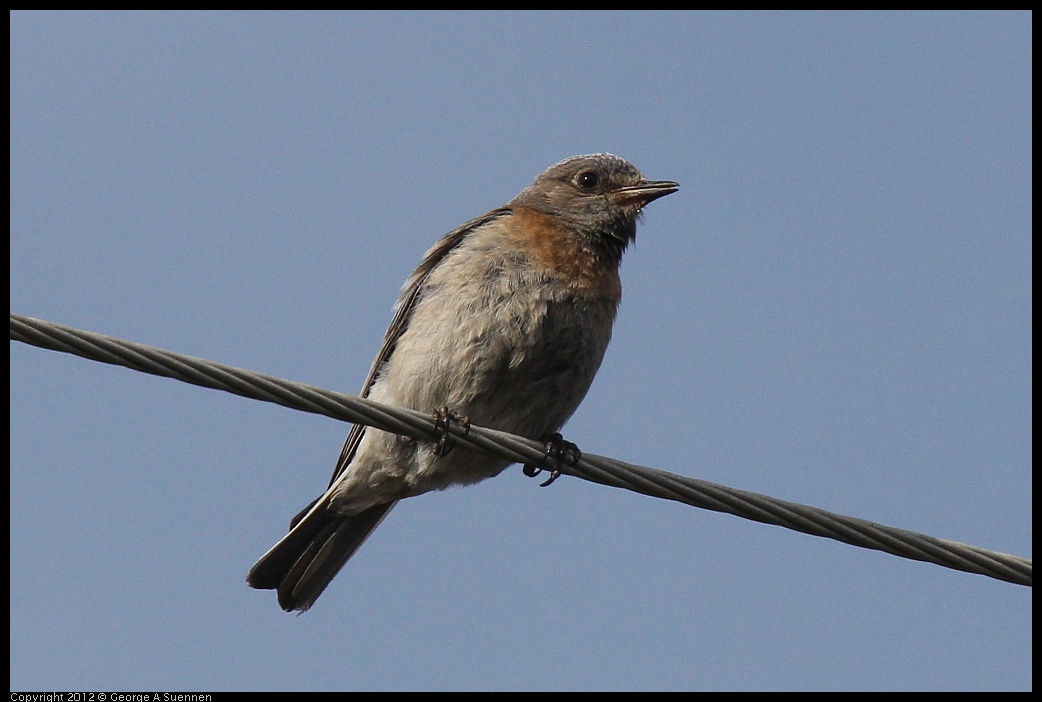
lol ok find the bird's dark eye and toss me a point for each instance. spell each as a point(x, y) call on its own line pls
point(587, 180)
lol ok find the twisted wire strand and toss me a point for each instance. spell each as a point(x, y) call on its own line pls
point(597, 469)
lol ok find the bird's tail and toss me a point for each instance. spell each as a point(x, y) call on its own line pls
point(306, 560)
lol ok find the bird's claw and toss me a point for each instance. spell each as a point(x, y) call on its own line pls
point(443, 417)
point(559, 452)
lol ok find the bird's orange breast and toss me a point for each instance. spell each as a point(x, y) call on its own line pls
point(562, 250)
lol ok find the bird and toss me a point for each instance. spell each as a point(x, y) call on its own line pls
point(504, 323)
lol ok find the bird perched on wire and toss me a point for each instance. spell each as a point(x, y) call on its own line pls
point(504, 323)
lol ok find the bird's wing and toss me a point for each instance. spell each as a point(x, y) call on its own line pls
point(402, 311)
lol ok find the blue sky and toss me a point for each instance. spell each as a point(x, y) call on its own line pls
point(834, 309)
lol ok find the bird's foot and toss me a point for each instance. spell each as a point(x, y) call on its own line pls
point(559, 453)
point(443, 417)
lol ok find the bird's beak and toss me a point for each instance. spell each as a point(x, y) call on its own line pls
point(643, 193)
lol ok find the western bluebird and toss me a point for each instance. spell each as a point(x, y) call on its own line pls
point(505, 321)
